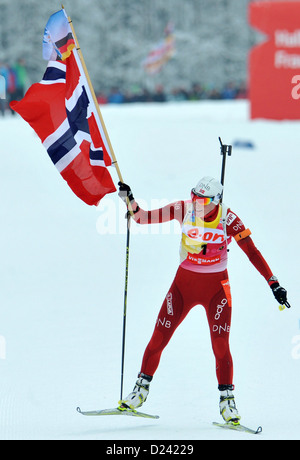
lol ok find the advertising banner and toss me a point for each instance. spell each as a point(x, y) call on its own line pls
point(274, 64)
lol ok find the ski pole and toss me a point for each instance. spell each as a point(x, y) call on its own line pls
point(125, 302)
point(225, 150)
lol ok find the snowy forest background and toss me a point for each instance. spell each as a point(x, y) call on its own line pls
point(212, 39)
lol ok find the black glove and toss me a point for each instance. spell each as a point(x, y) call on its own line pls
point(125, 192)
point(280, 293)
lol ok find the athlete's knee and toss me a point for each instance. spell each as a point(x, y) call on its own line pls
point(157, 341)
point(221, 348)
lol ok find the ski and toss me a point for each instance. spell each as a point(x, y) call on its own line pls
point(117, 411)
point(238, 427)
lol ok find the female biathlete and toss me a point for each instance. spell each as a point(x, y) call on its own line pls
point(208, 227)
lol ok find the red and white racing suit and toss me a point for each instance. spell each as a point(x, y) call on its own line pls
point(201, 278)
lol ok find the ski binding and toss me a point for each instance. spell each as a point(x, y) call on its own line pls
point(117, 411)
point(238, 427)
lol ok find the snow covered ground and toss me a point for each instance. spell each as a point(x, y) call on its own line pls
point(62, 281)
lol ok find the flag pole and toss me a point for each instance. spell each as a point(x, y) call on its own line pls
point(114, 162)
point(130, 213)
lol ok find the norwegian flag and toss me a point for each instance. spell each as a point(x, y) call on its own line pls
point(61, 111)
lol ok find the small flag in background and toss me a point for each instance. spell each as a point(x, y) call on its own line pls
point(161, 53)
point(61, 110)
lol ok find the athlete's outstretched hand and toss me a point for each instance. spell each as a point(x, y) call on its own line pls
point(280, 293)
point(125, 192)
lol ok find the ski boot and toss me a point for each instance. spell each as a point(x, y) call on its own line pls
point(139, 394)
point(228, 409)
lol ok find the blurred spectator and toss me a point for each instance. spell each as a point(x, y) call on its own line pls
point(197, 92)
point(115, 96)
point(17, 82)
point(214, 94)
point(4, 72)
point(145, 96)
point(178, 94)
point(229, 92)
point(101, 99)
point(137, 94)
point(11, 87)
point(21, 79)
point(159, 95)
point(242, 92)
point(10, 84)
